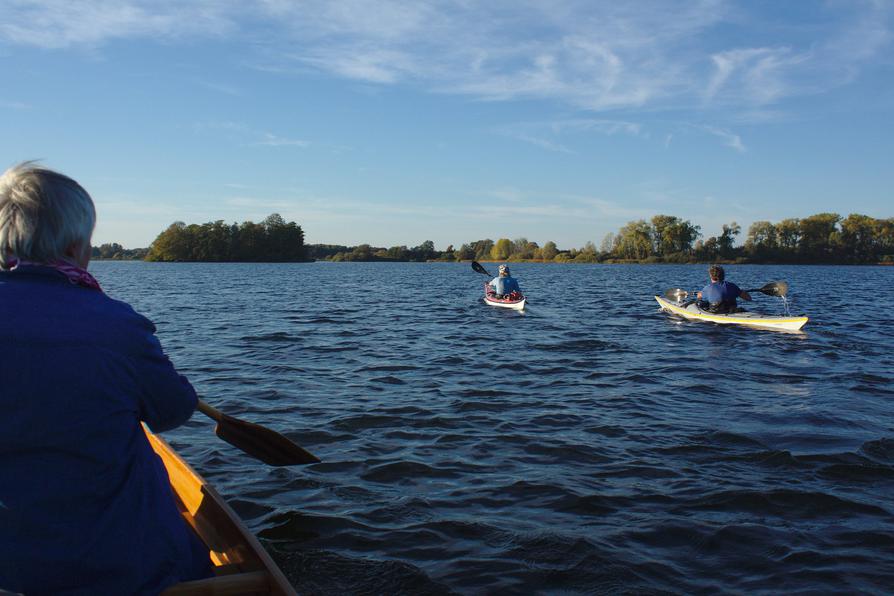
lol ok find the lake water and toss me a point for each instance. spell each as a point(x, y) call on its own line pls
point(591, 444)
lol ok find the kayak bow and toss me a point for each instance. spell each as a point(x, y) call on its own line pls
point(241, 565)
point(749, 319)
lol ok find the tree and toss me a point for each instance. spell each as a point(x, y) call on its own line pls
point(762, 240)
point(608, 244)
point(819, 233)
point(663, 234)
point(171, 245)
point(501, 250)
point(857, 241)
point(727, 239)
point(424, 251)
point(482, 248)
point(398, 253)
point(788, 234)
point(272, 240)
point(635, 240)
point(549, 251)
point(465, 253)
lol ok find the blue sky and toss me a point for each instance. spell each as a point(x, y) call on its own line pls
point(395, 122)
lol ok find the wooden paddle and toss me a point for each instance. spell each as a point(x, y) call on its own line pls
point(479, 269)
point(258, 441)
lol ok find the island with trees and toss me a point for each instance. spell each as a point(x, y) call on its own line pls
point(271, 241)
point(824, 238)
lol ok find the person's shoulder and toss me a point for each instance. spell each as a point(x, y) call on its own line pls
point(121, 325)
point(125, 314)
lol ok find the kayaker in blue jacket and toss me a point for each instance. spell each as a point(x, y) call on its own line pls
point(721, 295)
point(504, 284)
point(85, 504)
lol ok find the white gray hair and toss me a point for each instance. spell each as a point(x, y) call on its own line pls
point(42, 213)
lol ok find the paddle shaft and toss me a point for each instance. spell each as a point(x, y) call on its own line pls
point(209, 411)
point(257, 441)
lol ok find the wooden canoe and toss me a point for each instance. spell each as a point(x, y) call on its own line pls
point(241, 565)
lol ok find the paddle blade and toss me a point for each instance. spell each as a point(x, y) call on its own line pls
point(262, 443)
point(774, 288)
point(779, 288)
point(479, 269)
point(676, 295)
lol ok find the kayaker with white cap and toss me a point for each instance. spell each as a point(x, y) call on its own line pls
point(721, 295)
point(504, 284)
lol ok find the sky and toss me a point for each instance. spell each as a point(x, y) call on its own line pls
point(393, 122)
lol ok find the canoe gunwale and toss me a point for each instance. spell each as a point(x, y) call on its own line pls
point(238, 557)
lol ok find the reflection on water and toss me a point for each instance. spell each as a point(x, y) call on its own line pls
point(594, 444)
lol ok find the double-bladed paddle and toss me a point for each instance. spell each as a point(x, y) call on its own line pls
point(774, 288)
point(258, 441)
point(479, 269)
point(676, 294)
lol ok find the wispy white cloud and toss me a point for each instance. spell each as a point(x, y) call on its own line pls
point(57, 24)
point(272, 140)
point(758, 75)
point(14, 105)
point(253, 136)
point(592, 56)
point(510, 194)
point(539, 142)
point(549, 134)
point(607, 127)
point(729, 139)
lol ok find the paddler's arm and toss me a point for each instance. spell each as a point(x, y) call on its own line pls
point(744, 295)
point(167, 399)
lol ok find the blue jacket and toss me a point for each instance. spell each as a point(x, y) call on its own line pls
point(721, 292)
point(504, 285)
point(85, 504)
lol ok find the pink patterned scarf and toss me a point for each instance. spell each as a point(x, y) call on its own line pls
point(76, 275)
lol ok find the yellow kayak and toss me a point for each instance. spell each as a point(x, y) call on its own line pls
point(241, 565)
point(750, 319)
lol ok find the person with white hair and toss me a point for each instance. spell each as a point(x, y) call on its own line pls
point(85, 505)
point(504, 284)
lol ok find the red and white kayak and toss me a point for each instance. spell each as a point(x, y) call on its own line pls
point(515, 300)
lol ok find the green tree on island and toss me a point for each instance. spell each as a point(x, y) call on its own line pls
point(272, 241)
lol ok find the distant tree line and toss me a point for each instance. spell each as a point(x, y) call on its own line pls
point(424, 252)
point(116, 252)
point(272, 240)
point(820, 238)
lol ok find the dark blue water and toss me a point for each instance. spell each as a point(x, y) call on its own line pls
point(592, 444)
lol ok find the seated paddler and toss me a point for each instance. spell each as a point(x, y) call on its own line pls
point(504, 284)
point(720, 295)
point(85, 504)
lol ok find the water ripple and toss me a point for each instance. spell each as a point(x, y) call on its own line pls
point(592, 444)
